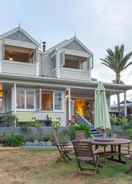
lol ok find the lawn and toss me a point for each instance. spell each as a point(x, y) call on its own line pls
point(40, 167)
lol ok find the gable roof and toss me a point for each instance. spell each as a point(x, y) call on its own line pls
point(65, 43)
point(19, 29)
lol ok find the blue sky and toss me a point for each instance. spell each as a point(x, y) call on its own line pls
point(100, 24)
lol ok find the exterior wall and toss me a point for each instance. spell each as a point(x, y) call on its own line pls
point(18, 68)
point(19, 36)
point(47, 66)
point(30, 116)
point(27, 116)
point(59, 115)
point(74, 74)
point(75, 46)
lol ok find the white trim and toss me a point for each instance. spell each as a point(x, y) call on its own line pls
point(53, 92)
point(18, 43)
point(125, 105)
point(25, 100)
point(18, 62)
point(69, 103)
point(22, 31)
point(76, 53)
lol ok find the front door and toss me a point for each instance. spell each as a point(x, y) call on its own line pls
point(83, 107)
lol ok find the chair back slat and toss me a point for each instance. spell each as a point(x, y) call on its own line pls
point(83, 149)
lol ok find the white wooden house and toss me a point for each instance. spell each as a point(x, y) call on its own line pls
point(35, 82)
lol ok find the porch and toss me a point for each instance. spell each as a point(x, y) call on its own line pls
point(29, 99)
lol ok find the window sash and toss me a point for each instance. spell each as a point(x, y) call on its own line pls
point(25, 99)
point(58, 101)
point(53, 103)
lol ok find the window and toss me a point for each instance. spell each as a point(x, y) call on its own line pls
point(20, 98)
point(30, 98)
point(74, 62)
point(58, 101)
point(25, 98)
point(1, 98)
point(19, 54)
point(51, 100)
point(1, 104)
point(47, 100)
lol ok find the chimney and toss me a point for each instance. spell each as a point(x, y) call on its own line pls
point(44, 46)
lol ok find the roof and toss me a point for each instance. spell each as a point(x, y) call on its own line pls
point(22, 31)
point(67, 42)
point(63, 82)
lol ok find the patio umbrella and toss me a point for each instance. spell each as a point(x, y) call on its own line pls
point(102, 118)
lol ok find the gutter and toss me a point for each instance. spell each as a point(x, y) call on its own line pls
point(49, 80)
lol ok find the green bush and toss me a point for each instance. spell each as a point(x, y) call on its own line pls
point(79, 127)
point(122, 121)
point(14, 140)
point(129, 133)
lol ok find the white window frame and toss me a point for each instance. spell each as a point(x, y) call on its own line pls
point(25, 100)
point(53, 91)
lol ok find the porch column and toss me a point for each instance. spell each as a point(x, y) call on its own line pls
point(69, 103)
point(125, 105)
point(14, 100)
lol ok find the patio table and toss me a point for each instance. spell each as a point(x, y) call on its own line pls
point(113, 143)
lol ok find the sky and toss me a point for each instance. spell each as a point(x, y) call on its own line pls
point(99, 24)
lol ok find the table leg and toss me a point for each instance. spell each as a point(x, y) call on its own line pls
point(119, 159)
point(112, 149)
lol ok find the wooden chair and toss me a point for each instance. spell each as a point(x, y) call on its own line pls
point(85, 154)
point(64, 150)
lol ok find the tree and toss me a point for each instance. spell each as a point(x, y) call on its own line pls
point(117, 60)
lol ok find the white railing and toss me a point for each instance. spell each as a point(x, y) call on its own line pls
point(15, 67)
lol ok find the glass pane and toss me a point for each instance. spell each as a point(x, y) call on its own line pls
point(47, 100)
point(1, 104)
point(58, 101)
point(30, 98)
point(37, 99)
point(20, 100)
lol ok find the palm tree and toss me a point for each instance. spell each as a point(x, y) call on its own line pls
point(117, 61)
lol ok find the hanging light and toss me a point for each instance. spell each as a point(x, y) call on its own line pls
point(66, 94)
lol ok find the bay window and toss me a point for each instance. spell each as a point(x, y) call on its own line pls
point(25, 98)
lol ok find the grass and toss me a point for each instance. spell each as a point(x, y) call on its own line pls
point(40, 167)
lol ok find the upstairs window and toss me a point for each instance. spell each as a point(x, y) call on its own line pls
point(74, 62)
point(19, 54)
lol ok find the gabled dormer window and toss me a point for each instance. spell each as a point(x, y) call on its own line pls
point(74, 62)
point(19, 54)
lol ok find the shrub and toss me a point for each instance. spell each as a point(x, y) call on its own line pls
point(14, 140)
point(122, 121)
point(79, 127)
point(129, 133)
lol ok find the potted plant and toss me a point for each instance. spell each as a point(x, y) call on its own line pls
point(80, 131)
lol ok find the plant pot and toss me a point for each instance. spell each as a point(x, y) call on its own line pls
point(80, 135)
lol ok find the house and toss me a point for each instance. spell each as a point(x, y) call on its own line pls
point(128, 104)
point(35, 82)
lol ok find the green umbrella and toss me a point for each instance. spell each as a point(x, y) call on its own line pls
point(102, 118)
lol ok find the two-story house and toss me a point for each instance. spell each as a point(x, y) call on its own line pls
point(34, 82)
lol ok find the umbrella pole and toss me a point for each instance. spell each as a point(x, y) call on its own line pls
point(104, 133)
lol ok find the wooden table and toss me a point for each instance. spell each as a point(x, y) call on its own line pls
point(114, 143)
